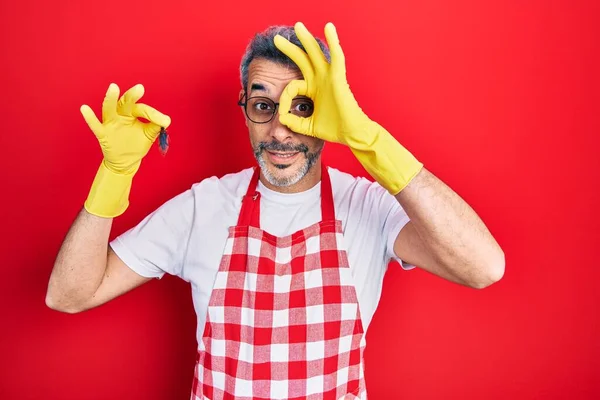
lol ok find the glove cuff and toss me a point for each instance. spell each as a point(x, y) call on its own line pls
point(388, 162)
point(109, 194)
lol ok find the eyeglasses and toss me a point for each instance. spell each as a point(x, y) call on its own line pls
point(261, 110)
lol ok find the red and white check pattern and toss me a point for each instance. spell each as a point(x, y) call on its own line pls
point(283, 320)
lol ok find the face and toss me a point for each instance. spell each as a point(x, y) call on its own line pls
point(286, 158)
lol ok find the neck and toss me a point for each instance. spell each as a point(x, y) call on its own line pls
point(307, 182)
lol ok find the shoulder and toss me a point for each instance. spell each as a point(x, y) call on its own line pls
point(347, 187)
point(231, 185)
point(342, 181)
point(208, 193)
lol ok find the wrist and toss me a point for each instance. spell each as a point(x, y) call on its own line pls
point(121, 169)
point(386, 160)
point(364, 134)
point(109, 195)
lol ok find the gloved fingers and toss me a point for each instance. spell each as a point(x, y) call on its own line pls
point(338, 60)
point(297, 124)
point(311, 46)
point(293, 88)
point(297, 55)
point(92, 121)
point(151, 131)
point(294, 122)
point(109, 105)
point(129, 98)
point(141, 110)
point(156, 118)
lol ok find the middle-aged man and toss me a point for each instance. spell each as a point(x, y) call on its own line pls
point(286, 259)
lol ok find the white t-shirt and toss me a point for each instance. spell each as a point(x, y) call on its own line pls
point(186, 236)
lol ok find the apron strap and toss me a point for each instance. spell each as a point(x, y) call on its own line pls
point(327, 205)
point(250, 213)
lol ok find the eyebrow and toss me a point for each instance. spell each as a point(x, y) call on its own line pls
point(258, 87)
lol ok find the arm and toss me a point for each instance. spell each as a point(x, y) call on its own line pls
point(87, 273)
point(445, 236)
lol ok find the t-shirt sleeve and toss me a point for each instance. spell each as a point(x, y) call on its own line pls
point(158, 244)
point(394, 219)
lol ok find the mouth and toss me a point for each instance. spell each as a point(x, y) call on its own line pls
point(279, 157)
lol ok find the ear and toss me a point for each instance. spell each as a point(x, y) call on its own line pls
point(242, 108)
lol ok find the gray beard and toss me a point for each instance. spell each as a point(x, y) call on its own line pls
point(310, 160)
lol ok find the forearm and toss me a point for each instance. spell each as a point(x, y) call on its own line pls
point(80, 264)
point(451, 231)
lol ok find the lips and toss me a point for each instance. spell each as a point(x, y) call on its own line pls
point(282, 157)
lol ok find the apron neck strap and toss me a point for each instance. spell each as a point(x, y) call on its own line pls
point(327, 205)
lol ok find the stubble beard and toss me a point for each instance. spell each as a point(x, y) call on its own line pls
point(309, 161)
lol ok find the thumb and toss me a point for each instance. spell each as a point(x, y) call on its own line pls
point(151, 131)
point(151, 114)
point(92, 121)
point(297, 124)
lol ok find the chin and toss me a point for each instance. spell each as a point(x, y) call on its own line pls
point(283, 175)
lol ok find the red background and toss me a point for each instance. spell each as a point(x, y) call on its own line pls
point(499, 99)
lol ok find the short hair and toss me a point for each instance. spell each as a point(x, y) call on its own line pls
point(263, 46)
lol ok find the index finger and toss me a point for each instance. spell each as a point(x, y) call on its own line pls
point(151, 114)
point(292, 89)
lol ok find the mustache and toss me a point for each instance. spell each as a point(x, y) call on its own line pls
point(278, 146)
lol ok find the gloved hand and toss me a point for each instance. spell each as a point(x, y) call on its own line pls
point(124, 141)
point(337, 116)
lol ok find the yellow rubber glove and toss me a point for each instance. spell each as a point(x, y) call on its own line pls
point(124, 141)
point(337, 116)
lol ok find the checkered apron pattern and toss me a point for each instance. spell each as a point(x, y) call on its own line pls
point(283, 320)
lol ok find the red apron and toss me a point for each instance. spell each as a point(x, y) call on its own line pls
point(283, 320)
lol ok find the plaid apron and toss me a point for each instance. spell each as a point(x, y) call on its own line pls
point(283, 320)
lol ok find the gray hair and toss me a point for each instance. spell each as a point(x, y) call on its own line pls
point(262, 46)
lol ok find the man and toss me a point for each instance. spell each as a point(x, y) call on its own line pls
point(285, 260)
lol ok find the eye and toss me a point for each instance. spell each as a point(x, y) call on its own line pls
point(262, 106)
point(302, 107)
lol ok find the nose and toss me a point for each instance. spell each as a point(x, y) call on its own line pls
point(279, 131)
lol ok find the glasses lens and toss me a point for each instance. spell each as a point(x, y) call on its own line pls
point(260, 109)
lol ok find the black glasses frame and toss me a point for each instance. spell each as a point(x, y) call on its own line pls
point(245, 104)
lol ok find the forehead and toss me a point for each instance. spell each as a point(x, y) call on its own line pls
point(268, 76)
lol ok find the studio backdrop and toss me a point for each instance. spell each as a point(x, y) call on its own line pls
point(499, 99)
